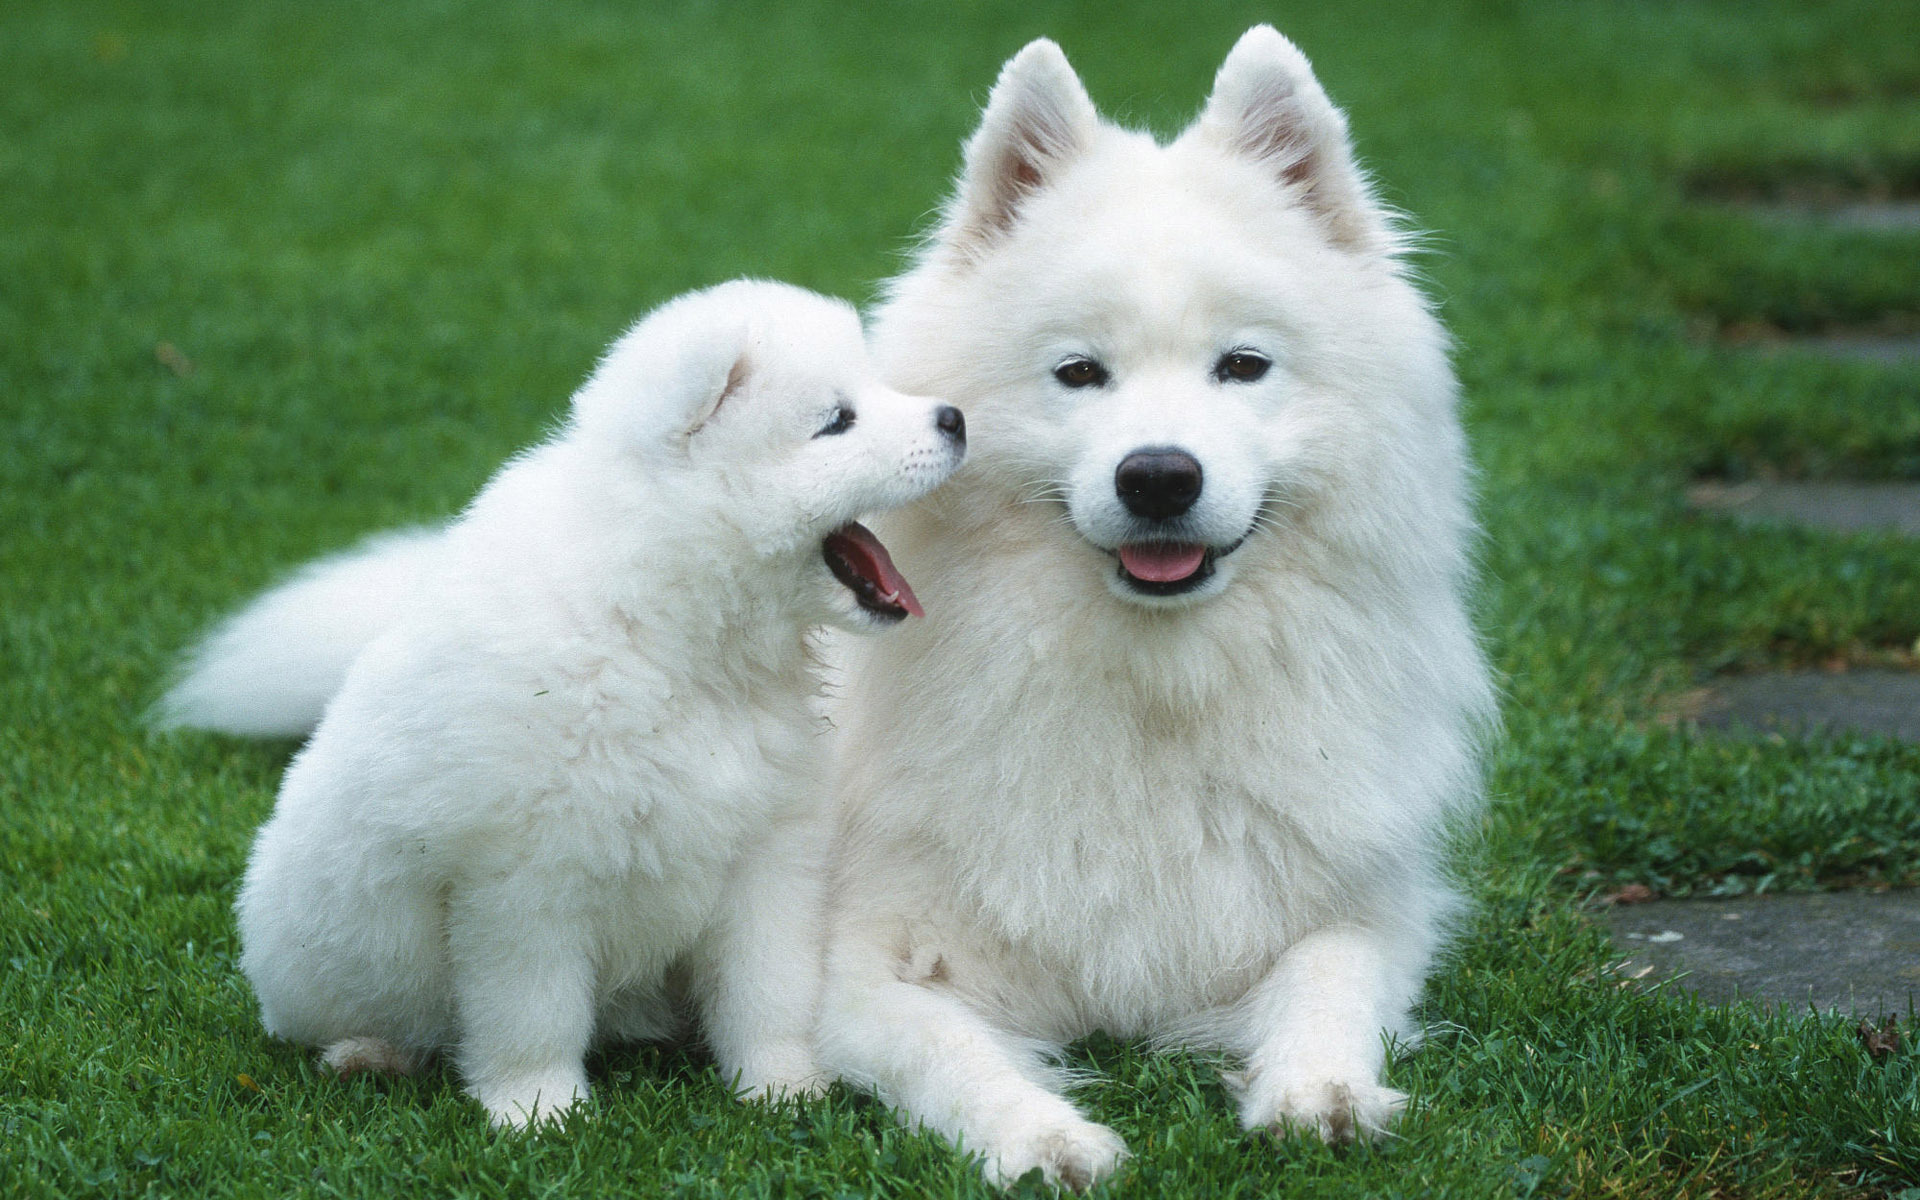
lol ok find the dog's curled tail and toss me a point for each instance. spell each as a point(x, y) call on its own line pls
point(270, 669)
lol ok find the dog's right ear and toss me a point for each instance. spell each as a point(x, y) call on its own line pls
point(1037, 120)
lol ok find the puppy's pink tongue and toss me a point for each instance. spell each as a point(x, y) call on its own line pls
point(861, 555)
point(1162, 562)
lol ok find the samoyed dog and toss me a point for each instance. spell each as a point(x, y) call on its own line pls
point(1179, 756)
point(579, 756)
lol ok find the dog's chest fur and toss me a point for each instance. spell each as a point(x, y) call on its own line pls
point(1145, 852)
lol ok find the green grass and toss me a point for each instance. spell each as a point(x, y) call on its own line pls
point(384, 242)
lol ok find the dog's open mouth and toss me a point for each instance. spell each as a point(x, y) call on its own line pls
point(858, 560)
point(1168, 568)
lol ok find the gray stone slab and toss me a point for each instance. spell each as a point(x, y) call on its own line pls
point(1887, 350)
point(1862, 216)
point(1882, 702)
point(1844, 506)
point(1851, 952)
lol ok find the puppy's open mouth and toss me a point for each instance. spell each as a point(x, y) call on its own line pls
point(858, 560)
point(1168, 568)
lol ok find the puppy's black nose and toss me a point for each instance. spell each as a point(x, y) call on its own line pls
point(1158, 483)
point(950, 421)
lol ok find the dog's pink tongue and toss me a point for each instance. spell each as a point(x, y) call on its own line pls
point(1162, 562)
point(867, 556)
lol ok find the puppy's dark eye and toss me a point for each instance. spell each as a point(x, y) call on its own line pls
point(1241, 366)
point(1079, 372)
point(839, 422)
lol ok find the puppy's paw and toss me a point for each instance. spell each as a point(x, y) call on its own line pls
point(1336, 1111)
point(1073, 1154)
point(785, 1070)
point(529, 1100)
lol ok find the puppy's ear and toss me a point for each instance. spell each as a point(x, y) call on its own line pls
point(736, 378)
point(1267, 105)
point(1037, 120)
point(668, 378)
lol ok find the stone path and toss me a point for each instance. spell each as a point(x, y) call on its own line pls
point(1854, 952)
point(1882, 702)
point(1887, 350)
point(1793, 702)
point(1877, 216)
point(1851, 952)
point(1863, 216)
point(1843, 506)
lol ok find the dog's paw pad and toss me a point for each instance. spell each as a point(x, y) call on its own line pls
point(1335, 1112)
point(1073, 1156)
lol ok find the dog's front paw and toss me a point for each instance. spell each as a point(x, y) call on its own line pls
point(1073, 1154)
point(1336, 1111)
point(529, 1100)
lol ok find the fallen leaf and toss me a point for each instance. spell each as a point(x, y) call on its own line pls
point(1633, 893)
point(1882, 1041)
point(246, 1081)
point(169, 356)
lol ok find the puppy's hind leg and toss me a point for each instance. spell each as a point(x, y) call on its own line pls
point(927, 1053)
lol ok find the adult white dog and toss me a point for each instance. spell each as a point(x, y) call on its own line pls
point(1178, 756)
point(581, 752)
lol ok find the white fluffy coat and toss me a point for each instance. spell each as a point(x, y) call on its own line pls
point(581, 754)
point(1213, 818)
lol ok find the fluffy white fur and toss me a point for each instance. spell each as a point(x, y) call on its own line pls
point(1212, 818)
point(579, 754)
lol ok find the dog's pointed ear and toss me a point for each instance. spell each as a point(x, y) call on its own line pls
point(1037, 120)
point(1267, 105)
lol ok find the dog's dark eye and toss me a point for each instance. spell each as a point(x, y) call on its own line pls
point(1241, 366)
point(1078, 372)
point(840, 422)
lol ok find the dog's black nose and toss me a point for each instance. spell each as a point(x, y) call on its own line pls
point(950, 421)
point(1158, 483)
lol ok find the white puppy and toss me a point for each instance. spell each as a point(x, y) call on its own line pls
point(581, 755)
point(1178, 757)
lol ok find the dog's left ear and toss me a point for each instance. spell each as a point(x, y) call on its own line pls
point(1267, 105)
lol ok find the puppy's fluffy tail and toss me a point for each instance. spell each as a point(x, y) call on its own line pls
point(270, 669)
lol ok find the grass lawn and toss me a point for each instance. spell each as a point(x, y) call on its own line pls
point(273, 275)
